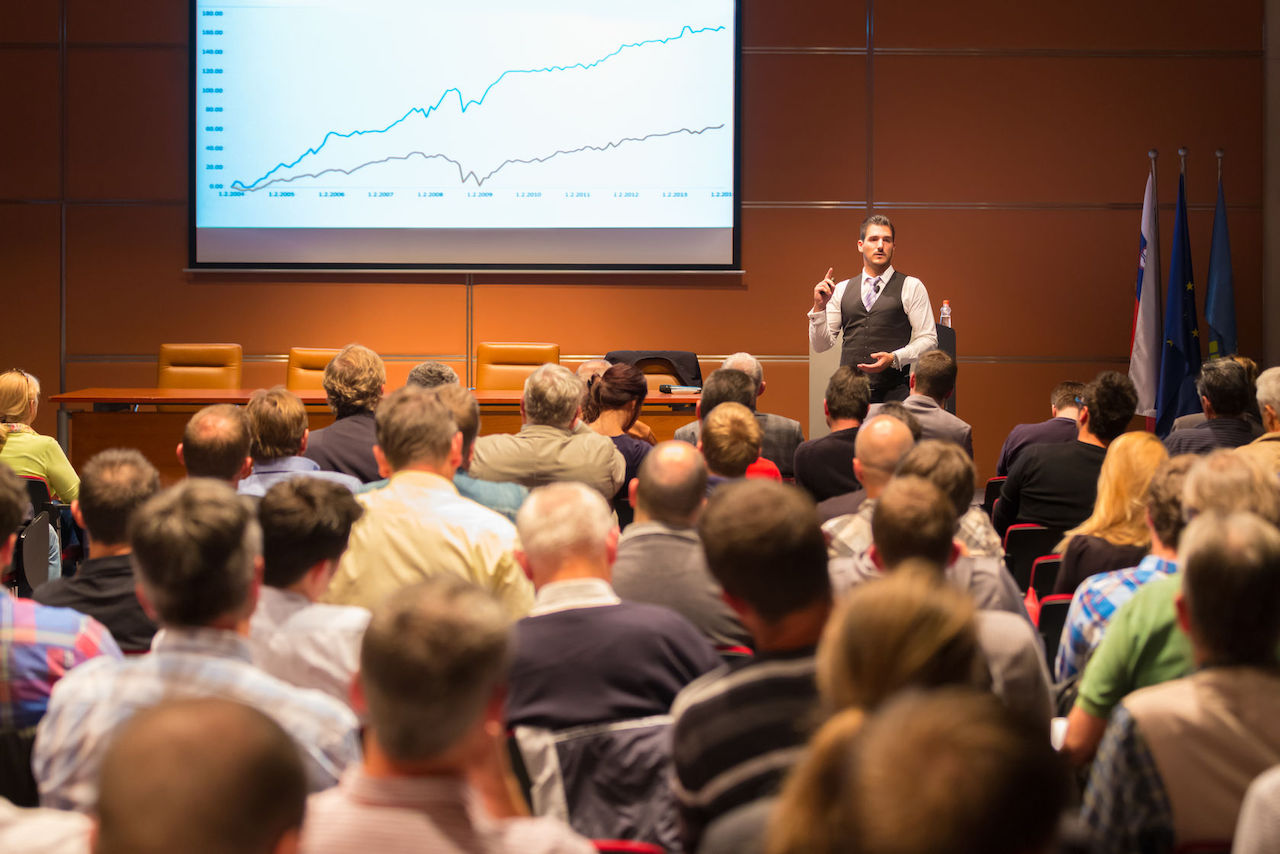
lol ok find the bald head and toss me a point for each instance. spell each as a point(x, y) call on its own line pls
point(881, 444)
point(592, 368)
point(671, 485)
point(750, 366)
point(216, 443)
point(200, 776)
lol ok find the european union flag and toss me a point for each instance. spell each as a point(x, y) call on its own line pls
point(1219, 297)
point(1180, 357)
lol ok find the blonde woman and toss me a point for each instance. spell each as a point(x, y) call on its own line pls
point(1115, 536)
point(23, 449)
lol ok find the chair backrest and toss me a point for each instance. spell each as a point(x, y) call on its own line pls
point(734, 652)
point(505, 366)
point(17, 782)
point(306, 368)
point(1023, 543)
point(1044, 574)
point(29, 567)
point(37, 492)
point(626, 846)
point(658, 371)
point(1053, 616)
point(199, 366)
point(991, 493)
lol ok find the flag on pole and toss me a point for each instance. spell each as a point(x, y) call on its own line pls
point(1180, 359)
point(1219, 297)
point(1144, 342)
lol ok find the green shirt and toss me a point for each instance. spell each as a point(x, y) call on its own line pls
point(1143, 646)
point(31, 455)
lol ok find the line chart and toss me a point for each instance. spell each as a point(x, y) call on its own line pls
point(464, 105)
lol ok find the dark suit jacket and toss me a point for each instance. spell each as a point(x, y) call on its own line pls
point(825, 466)
point(1059, 429)
point(781, 438)
point(936, 422)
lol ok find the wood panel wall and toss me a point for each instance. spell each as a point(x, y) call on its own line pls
point(1007, 140)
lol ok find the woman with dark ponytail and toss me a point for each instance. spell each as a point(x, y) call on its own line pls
point(611, 408)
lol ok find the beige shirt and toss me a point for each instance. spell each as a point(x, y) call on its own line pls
point(540, 454)
point(1265, 449)
point(418, 526)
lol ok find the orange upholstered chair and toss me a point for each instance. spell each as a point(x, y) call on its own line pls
point(502, 366)
point(198, 366)
point(306, 368)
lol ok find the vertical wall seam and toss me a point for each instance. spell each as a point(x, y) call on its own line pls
point(63, 115)
point(868, 111)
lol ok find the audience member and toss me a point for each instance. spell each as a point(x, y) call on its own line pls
point(1062, 426)
point(824, 466)
point(23, 449)
point(552, 445)
point(883, 453)
point(1266, 448)
point(432, 374)
point(881, 445)
point(305, 526)
point(1177, 758)
point(739, 730)
point(1258, 829)
point(660, 556)
point(201, 776)
point(418, 525)
point(935, 772)
point(933, 380)
point(42, 831)
point(780, 436)
point(196, 549)
point(1096, 600)
point(354, 382)
point(1115, 535)
point(1143, 645)
point(432, 669)
point(612, 406)
point(1056, 484)
point(594, 368)
point(278, 431)
point(216, 443)
point(638, 658)
point(1251, 413)
point(115, 484)
point(1225, 395)
point(730, 443)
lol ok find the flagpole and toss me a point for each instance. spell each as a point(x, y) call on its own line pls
point(1182, 160)
point(1220, 153)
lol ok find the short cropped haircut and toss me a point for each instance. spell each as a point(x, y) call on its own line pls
point(619, 387)
point(216, 442)
point(1066, 395)
point(277, 423)
point(14, 501)
point(114, 484)
point(414, 426)
point(748, 364)
point(876, 219)
point(1164, 498)
point(353, 380)
point(935, 373)
point(764, 546)
point(913, 518)
point(672, 483)
point(203, 776)
point(1224, 482)
point(727, 385)
point(1269, 390)
point(848, 394)
point(466, 412)
point(304, 520)
point(431, 658)
point(1226, 384)
point(562, 520)
point(895, 409)
point(1231, 582)
point(194, 547)
point(552, 396)
point(1112, 402)
point(731, 439)
point(431, 374)
point(946, 466)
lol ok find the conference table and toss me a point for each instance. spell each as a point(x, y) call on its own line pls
point(94, 419)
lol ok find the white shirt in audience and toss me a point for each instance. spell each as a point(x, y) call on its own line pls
point(42, 831)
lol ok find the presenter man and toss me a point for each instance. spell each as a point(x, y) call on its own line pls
point(885, 316)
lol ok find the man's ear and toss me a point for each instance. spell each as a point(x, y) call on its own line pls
point(1082, 416)
point(1184, 612)
point(760, 390)
point(178, 450)
point(355, 695)
point(246, 469)
point(911, 381)
point(143, 600)
point(379, 456)
point(6, 551)
point(77, 515)
point(611, 545)
point(302, 446)
point(873, 554)
point(857, 469)
point(825, 410)
point(455, 450)
point(632, 488)
point(523, 560)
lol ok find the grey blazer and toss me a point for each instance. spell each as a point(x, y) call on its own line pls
point(935, 422)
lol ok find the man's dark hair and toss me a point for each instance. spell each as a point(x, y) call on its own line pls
point(432, 374)
point(848, 394)
point(208, 776)
point(764, 546)
point(14, 502)
point(946, 466)
point(1111, 400)
point(913, 518)
point(895, 409)
point(1066, 394)
point(1226, 384)
point(216, 442)
point(277, 423)
point(194, 547)
point(671, 483)
point(727, 385)
point(1164, 498)
point(304, 520)
point(1231, 582)
point(114, 484)
point(876, 219)
point(935, 374)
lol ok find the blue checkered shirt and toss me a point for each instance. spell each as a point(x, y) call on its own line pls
point(95, 698)
point(1094, 604)
point(1126, 806)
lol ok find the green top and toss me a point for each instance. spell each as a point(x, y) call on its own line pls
point(1143, 646)
point(31, 455)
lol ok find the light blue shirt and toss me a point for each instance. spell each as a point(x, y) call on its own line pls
point(267, 473)
point(503, 498)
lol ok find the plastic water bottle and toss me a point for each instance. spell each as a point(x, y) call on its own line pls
point(944, 316)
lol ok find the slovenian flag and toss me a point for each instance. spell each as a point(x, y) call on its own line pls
point(1180, 359)
point(1144, 342)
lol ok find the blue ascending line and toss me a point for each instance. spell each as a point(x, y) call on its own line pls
point(465, 105)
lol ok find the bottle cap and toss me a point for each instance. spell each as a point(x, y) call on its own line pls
point(946, 302)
